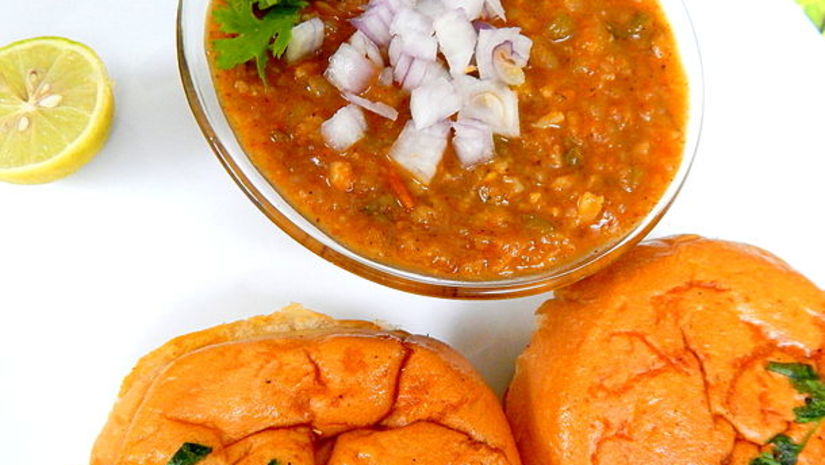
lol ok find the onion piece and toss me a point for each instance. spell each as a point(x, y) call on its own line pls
point(472, 8)
point(490, 102)
point(385, 78)
point(409, 21)
point(381, 109)
point(416, 73)
point(395, 50)
point(493, 9)
point(375, 21)
point(479, 25)
point(420, 151)
point(365, 46)
point(456, 39)
point(349, 70)
point(508, 66)
point(374, 26)
point(346, 127)
point(415, 65)
point(473, 142)
point(416, 45)
point(421, 72)
point(502, 53)
point(402, 68)
point(307, 38)
point(431, 8)
point(433, 102)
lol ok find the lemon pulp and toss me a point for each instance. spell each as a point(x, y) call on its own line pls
point(56, 108)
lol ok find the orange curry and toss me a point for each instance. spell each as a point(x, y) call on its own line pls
point(603, 114)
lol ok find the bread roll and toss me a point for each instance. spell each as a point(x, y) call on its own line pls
point(301, 388)
point(661, 359)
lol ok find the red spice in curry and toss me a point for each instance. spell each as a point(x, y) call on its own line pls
point(603, 115)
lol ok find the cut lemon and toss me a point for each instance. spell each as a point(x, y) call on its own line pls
point(56, 108)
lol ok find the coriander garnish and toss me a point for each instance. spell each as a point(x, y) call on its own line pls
point(806, 381)
point(785, 452)
point(189, 454)
point(258, 27)
point(274, 462)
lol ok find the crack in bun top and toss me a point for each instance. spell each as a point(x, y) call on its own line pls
point(301, 388)
point(661, 359)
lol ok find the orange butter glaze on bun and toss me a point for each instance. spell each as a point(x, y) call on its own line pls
point(661, 359)
point(303, 389)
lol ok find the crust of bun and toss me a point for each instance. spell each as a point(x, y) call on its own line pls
point(303, 388)
point(660, 359)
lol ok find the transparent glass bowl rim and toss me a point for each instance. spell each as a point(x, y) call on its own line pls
point(203, 101)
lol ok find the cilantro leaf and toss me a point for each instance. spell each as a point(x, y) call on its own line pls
point(806, 381)
point(794, 371)
point(189, 454)
point(264, 4)
point(785, 452)
point(253, 34)
point(288, 17)
point(274, 462)
point(765, 458)
point(812, 411)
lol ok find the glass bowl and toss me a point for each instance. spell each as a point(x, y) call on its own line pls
point(203, 100)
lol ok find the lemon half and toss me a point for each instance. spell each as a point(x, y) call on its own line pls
point(56, 108)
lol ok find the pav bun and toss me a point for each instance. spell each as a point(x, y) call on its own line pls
point(300, 388)
point(662, 359)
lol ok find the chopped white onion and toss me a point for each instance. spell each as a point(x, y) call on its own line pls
point(378, 108)
point(502, 53)
point(431, 8)
point(420, 151)
point(385, 12)
point(411, 33)
point(307, 37)
point(473, 142)
point(365, 46)
point(401, 68)
point(493, 9)
point(472, 8)
point(409, 21)
point(385, 78)
point(416, 74)
point(414, 63)
point(433, 102)
point(492, 103)
point(456, 39)
point(349, 70)
point(374, 25)
point(479, 25)
point(376, 20)
point(421, 72)
point(346, 127)
point(416, 45)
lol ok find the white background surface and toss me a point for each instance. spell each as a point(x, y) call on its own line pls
point(153, 239)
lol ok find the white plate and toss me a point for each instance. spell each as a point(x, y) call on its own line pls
point(152, 239)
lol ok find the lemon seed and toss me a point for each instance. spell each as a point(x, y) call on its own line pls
point(23, 123)
point(50, 101)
